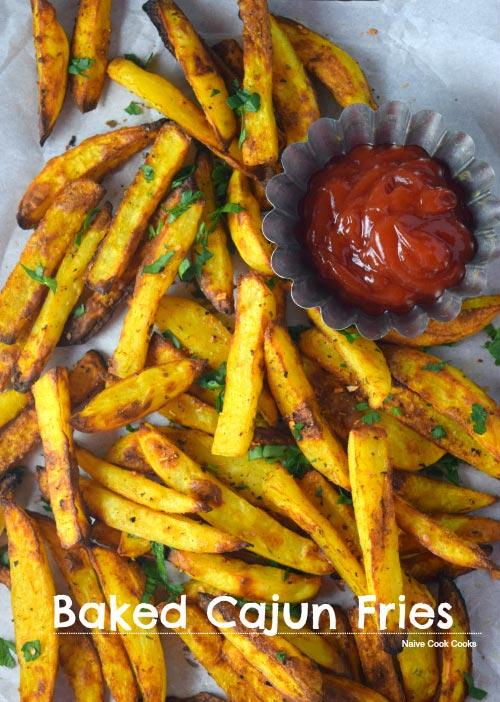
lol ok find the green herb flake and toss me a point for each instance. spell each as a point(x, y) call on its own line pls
point(446, 468)
point(221, 172)
point(182, 175)
point(158, 265)
point(290, 457)
point(371, 417)
point(281, 656)
point(271, 283)
point(396, 411)
point(78, 65)
point(475, 692)
point(167, 334)
point(319, 492)
point(241, 101)
point(78, 311)
point(188, 197)
point(148, 173)
point(158, 551)
point(138, 61)
point(152, 232)
point(361, 406)
point(296, 331)
point(86, 224)
point(350, 335)
point(493, 345)
point(6, 659)
point(38, 276)
point(296, 431)
point(344, 497)
point(4, 556)
point(130, 428)
point(478, 417)
point(31, 650)
point(45, 503)
point(214, 92)
point(133, 109)
point(188, 272)
point(435, 367)
point(215, 380)
point(438, 432)
point(286, 575)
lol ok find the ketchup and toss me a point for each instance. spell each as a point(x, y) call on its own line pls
point(385, 228)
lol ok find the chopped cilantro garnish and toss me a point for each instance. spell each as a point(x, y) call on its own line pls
point(438, 432)
point(6, 659)
point(133, 108)
point(350, 335)
point(241, 101)
point(78, 311)
point(281, 656)
point(31, 650)
point(78, 65)
point(396, 411)
point(148, 172)
point(45, 503)
point(344, 497)
point(189, 271)
point(296, 431)
point(319, 492)
point(493, 346)
point(152, 232)
point(290, 457)
point(446, 467)
point(158, 265)
point(138, 61)
point(478, 418)
point(215, 380)
point(4, 556)
point(156, 573)
point(188, 197)
point(371, 416)
point(475, 692)
point(221, 172)
point(182, 175)
point(38, 276)
point(214, 92)
point(130, 428)
point(435, 367)
point(86, 224)
point(167, 334)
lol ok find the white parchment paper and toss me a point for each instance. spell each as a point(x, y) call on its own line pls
point(438, 55)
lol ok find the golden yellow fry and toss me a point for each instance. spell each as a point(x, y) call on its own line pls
point(32, 590)
point(431, 496)
point(9, 353)
point(189, 411)
point(174, 531)
point(136, 396)
point(342, 640)
point(317, 346)
point(245, 226)
point(94, 158)
point(180, 37)
point(229, 57)
point(21, 296)
point(132, 546)
point(51, 55)
point(293, 93)
point(103, 534)
point(481, 530)
point(337, 687)
point(57, 307)
point(334, 67)
point(80, 662)
point(125, 581)
point(53, 408)
point(138, 205)
point(91, 41)
point(245, 367)
point(12, 403)
point(456, 661)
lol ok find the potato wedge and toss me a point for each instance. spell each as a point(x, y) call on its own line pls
point(138, 205)
point(333, 66)
point(189, 411)
point(53, 408)
point(363, 357)
point(12, 403)
point(56, 308)
point(132, 546)
point(51, 55)
point(430, 496)
point(9, 353)
point(126, 582)
point(339, 689)
point(103, 534)
point(245, 367)
point(171, 102)
point(229, 59)
point(174, 531)
point(293, 93)
point(342, 640)
point(317, 346)
point(136, 396)
point(80, 662)
point(91, 41)
point(260, 145)
point(456, 661)
point(245, 226)
point(253, 582)
point(22, 295)
point(180, 37)
point(36, 638)
point(481, 530)
point(136, 487)
point(298, 405)
point(94, 158)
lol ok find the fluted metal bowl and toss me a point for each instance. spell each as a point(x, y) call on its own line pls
point(392, 123)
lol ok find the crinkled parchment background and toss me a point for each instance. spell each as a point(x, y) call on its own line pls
point(439, 55)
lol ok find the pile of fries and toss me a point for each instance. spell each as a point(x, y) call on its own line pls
point(292, 456)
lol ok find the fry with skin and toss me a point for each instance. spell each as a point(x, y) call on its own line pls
point(229, 58)
point(180, 37)
point(94, 158)
point(455, 661)
point(342, 640)
point(9, 353)
point(80, 662)
point(90, 40)
point(56, 308)
point(30, 573)
point(21, 296)
point(51, 55)
point(245, 367)
point(53, 408)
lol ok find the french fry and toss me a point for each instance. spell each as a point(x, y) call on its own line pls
point(90, 40)
point(53, 408)
point(36, 638)
point(456, 661)
point(481, 530)
point(159, 269)
point(22, 296)
point(333, 66)
point(189, 411)
point(103, 534)
point(282, 664)
point(317, 346)
point(126, 452)
point(293, 93)
point(260, 145)
point(126, 583)
point(427, 568)
point(9, 353)
point(245, 226)
point(342, 640)
point(80, 662)
point(229, 511)
point(52, 317)
point(181, 38)
point(132, 546)
point(363, 357)
point(51, 55)
point(12, 403)
point(171, 102)
point(174, 531)
point(136, 487)
point(78, 572)
point(229, 59)
point(138, 205)
point(337, 687)
point(254, 582)
point(245, 367)
point(136, 396)
point(299, 407)
point(432, 496)
point(94, 158)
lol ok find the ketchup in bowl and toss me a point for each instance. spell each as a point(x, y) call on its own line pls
point(385, 228)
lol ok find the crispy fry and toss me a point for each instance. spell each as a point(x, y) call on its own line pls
point(189, 411)
point(174, 531)
point(181, 38)
point(81, 664)
point(342, 640)
point(333, 66)
point(317, 648)
point(103, 534)
point(132, 546)
point(229, 59)
point(138, 205)
point(481, 530)
point(245, 367)
point(427, 568)
point(337, 687)
point(12, 403)
point(293, 93)
point(31, 578)
point(455, 660)
point(9, 353)
point(317, 346)
point(51, 319)
point(21, 296)
point(136, 396)
point(260, 146)
point(53, 408)
point(91, 40)
point(245, 226)
point(51, 54)
point(431, 496)
point(125, 582)
point(94, 158)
